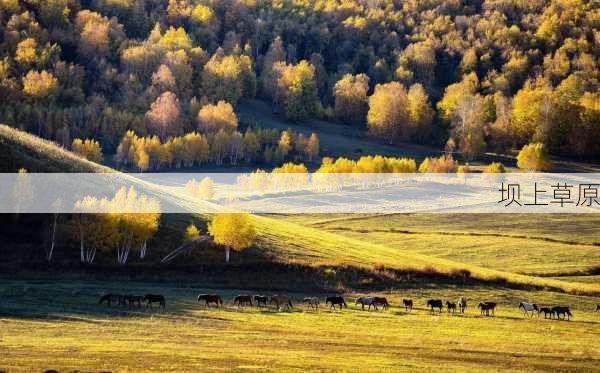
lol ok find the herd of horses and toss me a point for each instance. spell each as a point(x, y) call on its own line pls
point(132, 300)
point(281, 301)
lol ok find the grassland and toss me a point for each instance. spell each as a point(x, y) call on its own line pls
point(538, 244)
point(59, 325)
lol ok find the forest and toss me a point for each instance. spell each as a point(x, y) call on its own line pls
point(468, 76)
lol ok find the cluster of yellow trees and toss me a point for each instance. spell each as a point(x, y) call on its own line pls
point(88, 148)
point(125, 222)
point(255, 145)
point(203, 189)
point(368, 164)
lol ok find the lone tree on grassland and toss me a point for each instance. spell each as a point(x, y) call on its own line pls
point(233, 231)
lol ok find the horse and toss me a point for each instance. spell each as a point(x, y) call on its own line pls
point(210, 298)
point(336, 300)
point(547, 311)
point(451, 306)
point(109, 298)
point(486, 307)
point(364, 301)
point(562, 310)
point(408, 304)
point(313, 302)
point(132, 299)
point(261, 300)
point(380, 301)
point(462, 304)
point(529, 308)
point(155, 298)
point(598, 308)
point(242, 300)
point(435, 303)
point(281, 300)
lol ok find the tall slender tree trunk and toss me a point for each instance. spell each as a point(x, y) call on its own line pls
point(227, 250)
point(143, 250)
point(52, 239)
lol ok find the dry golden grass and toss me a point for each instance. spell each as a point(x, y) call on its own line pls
point(60, 326)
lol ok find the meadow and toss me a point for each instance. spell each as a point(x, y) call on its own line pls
point(59, 325)
point(538, 244)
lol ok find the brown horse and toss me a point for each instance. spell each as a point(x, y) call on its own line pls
point(451, 306)
point(155, 298)
point(486, 307)
point(598, 308)
point(281, 300)
point(381, 301)
point(242, 300)
point(110, 298)
point(210, 298)
point(408, 304)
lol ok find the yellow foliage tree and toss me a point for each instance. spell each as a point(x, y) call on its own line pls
point(88, 148)
point(534, 157)
point(233, 231)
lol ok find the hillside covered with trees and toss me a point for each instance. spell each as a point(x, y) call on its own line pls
point(471, 76)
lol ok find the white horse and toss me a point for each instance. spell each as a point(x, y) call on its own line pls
point(528, 308)
point(313, 302)
point(462, 304)
point(365, 301)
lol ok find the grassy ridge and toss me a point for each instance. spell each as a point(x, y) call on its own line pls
point(293, 242)
point(539, 244)
point(59, 325)
point(20, 149)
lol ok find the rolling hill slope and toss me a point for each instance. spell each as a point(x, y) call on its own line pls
point(288, 241)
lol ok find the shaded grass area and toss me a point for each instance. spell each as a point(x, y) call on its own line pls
point(59, 325)
point(20, 149)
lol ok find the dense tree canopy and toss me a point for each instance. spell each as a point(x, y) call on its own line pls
point(96, 69)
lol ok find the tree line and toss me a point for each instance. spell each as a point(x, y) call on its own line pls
point(254, 146)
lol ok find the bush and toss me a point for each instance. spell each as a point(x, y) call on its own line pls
point(494, 168)
point(534, 157)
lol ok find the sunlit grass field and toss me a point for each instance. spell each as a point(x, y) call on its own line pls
point(532, 244)
point(60, 326)
point(295, 241)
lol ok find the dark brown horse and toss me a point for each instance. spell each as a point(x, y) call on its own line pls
point(562, 310)
point(598, 308)
point(210, 298)
point(110, 298)
point(408, 304)
point(451, 306)
point(155, 298)
point(261, 300)
point(242, 300)
point(336, 300)
point(381, 301)
point(435, 303)
point(133, 299)
point(486, 307)
point(547, 311)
